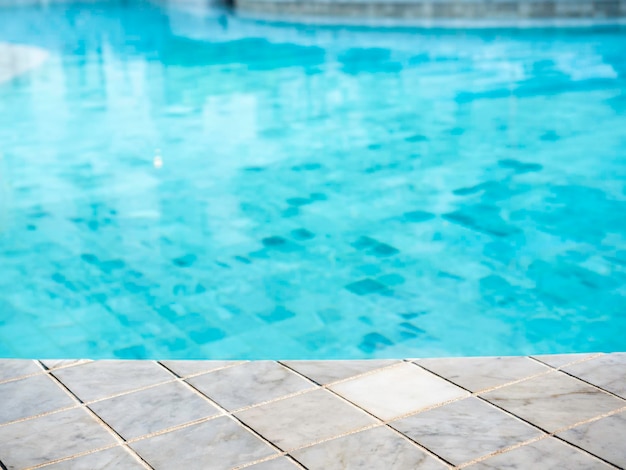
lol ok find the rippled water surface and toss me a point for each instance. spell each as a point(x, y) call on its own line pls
point(195, 185)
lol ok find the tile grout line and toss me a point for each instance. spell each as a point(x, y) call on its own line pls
point(41, 415)
point(301, 392)
point(228, 414)
point(591, 420)
point(238, 410)
point(502, 451)
point(176, 379)
point(120, 440)
point(546, 433)
point(422, 447)
point(380, 422)
point(37, 364)
point(552, 434)
point(340, 381)
point(85, 403)
point(581, 423)
point(269, 459)
point(319, 441)
point(81, 454)
point(183, 380)
point(52, 372)
point(477, 394)
point(515, 382)
point(198, 374)
point(317, 386)
point(21, 377)
point(567, 364)
point(224, 410)
point(177, 427)
point(570, 444)
point(488, 389)
point(79, 362)
point(77, 403)
point(524, 379)
point(580, 361)
point(594, 385)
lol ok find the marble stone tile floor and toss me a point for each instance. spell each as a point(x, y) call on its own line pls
point(541, 412)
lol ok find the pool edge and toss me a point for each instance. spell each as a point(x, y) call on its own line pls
point(289, 415)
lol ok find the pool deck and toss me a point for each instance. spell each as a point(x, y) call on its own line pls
point(561, 411)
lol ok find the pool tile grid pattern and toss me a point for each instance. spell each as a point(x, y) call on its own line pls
point(565, 411)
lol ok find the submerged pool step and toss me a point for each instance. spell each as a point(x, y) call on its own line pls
point(440, 9)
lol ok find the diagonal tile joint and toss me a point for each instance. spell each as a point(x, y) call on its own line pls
point(479, 413)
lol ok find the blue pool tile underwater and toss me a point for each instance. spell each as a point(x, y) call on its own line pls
point(186, 185)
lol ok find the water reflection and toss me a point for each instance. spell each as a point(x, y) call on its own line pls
point(186, 185)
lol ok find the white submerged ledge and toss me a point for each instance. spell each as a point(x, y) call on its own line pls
point(434, 10)
point(524, 412)
point(18, 59)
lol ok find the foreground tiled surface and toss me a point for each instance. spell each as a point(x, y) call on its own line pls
point(539, 412)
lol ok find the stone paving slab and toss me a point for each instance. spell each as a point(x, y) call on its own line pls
point(31, 396)
point(478, 413)
point(553, 401)
point(606, 372)
point(547, 454)
point(115, 457)
point(373, 448)
point(493, 371)
point(605, 438)
point(154, 409)
point(249, 384)
point(445, 430)
point(396, 391)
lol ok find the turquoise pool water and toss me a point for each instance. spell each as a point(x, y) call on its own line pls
point(195, 185)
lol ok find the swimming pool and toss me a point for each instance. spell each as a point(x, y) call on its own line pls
point(185, 185)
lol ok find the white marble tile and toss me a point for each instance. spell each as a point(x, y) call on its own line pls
point(187, 368)
point(447, 430)
point(114, 458)
point(218, 444)
point(281, 463)
point(325, 372)
point(14, 368)
point(553, 401)
point(607, 372)
point(303, 419)
point(31, 396)
point(456, 431)
point(155, 409)
point(102, 379)
point(546, 454)
point(480, 373)
point(398, 390)
point(51, 437)
point(378, 448)
point(52, 364)
point(560, 360)
point(605, 438)
point(249, 383)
